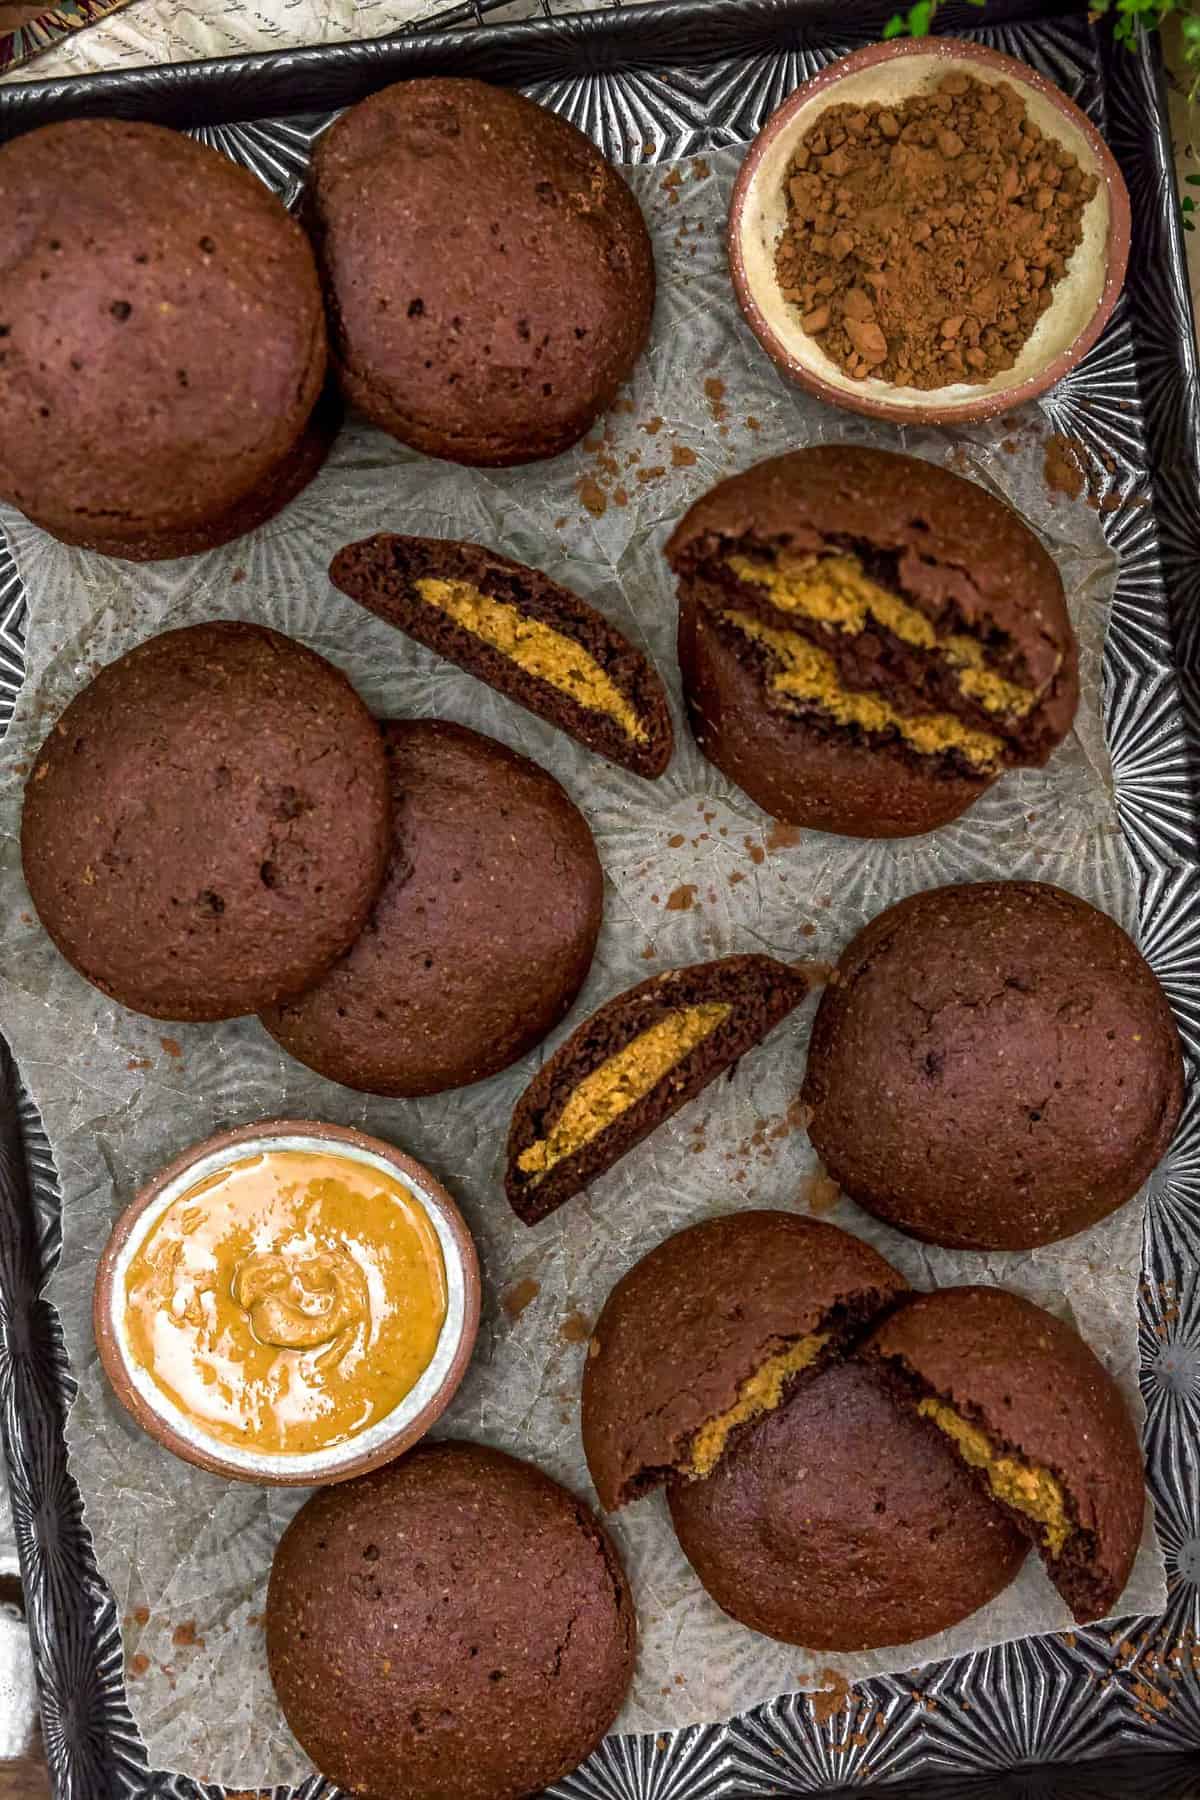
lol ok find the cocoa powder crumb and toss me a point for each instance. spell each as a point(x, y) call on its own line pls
point(682, 899)
point(575, 1329)
point(714, 390)
point(592, 497)
point(521, 1294)
point(682, 457)
point(1063, 471)
point(923, 243)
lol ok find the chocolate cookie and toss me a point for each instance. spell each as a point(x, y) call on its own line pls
point(482, 935)
point(996, 1067)
point(499, 340)
point(455, 1626)
point(521, 633)
point(713, 1328)
point(1039, 1421)
point(842, 1522)
point(206, 827)
point(632, 1065)
point(867, 641)
point(163, 341)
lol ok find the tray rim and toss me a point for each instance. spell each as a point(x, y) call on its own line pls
point(365, 61)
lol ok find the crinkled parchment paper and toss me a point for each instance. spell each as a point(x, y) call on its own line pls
point(694, 870)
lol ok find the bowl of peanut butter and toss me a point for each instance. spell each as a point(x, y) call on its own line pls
point(290, 1303)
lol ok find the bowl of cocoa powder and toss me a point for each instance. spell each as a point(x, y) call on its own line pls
point(928, 230)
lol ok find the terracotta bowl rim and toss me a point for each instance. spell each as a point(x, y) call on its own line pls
point(281, 1471)
point(1002, 399)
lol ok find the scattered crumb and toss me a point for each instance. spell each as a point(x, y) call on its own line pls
point(830, 1697)
point(575, 1329)
point(671, 185)
point(256, 1619)
point(140, 1062)
point(26, 918)
point(783, 837)
point(515, 1299)
point(682, 457)
point(653, 472)
point(753, 424)
point(238, 575)
point(1010, 446)
point(736, 876)
point(141, 1615)
point(682, 899)
point(621, 496)
point(819, 1193)
point(592, 496)
point(648, 953)
point(653, 426)
point(172, 1046)
point(700, 169)
point(1063, 470)
point(139, 1664)
point(184, 1637)
point(660, 1744)
point(560, 521)
point(676, 840)
point(714, 389)
point(756, 852)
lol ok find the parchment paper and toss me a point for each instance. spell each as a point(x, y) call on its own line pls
point(693, 870)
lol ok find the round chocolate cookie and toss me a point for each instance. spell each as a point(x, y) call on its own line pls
point(206, 827)
point(713, 1328)
point(455, 1626)
point(843, 1522)
point(1038, 1419)
point(867, 641)
point(996, 1067)
point(500, 340)
point(163, 341)
point(482, 935)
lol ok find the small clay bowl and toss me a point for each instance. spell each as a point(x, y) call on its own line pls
point(389, 1436)
point(893, 73)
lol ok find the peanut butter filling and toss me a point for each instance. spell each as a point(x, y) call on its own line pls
point(836, 590)
point(1031, 1490)
point(759, 1393)
point(619, 1083)
point(538, 649)
point(804, 672)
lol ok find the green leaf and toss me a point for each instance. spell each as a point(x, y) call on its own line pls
point(897, 26)
point(1188, 225)
point(1192, 180)
point(920, 17)
point(1188, 204)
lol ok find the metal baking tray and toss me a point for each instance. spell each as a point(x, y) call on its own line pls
point(1101, 1713)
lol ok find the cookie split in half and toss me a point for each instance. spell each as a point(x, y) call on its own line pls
point(525, 635)
point(1034, 1414)
point(714, 1328)
point(633, 1064)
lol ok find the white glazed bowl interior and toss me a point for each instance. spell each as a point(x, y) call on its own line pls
point(764, 216)
point(318, 1465)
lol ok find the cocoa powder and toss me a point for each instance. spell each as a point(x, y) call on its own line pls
point(923, 242)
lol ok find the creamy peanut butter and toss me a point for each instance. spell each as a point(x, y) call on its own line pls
point(619, 1083)
point(289, 1301)
point(836, 590)
point(1031, 1490)
point(759, 1393)
point(803, 671)
point(536, 647)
